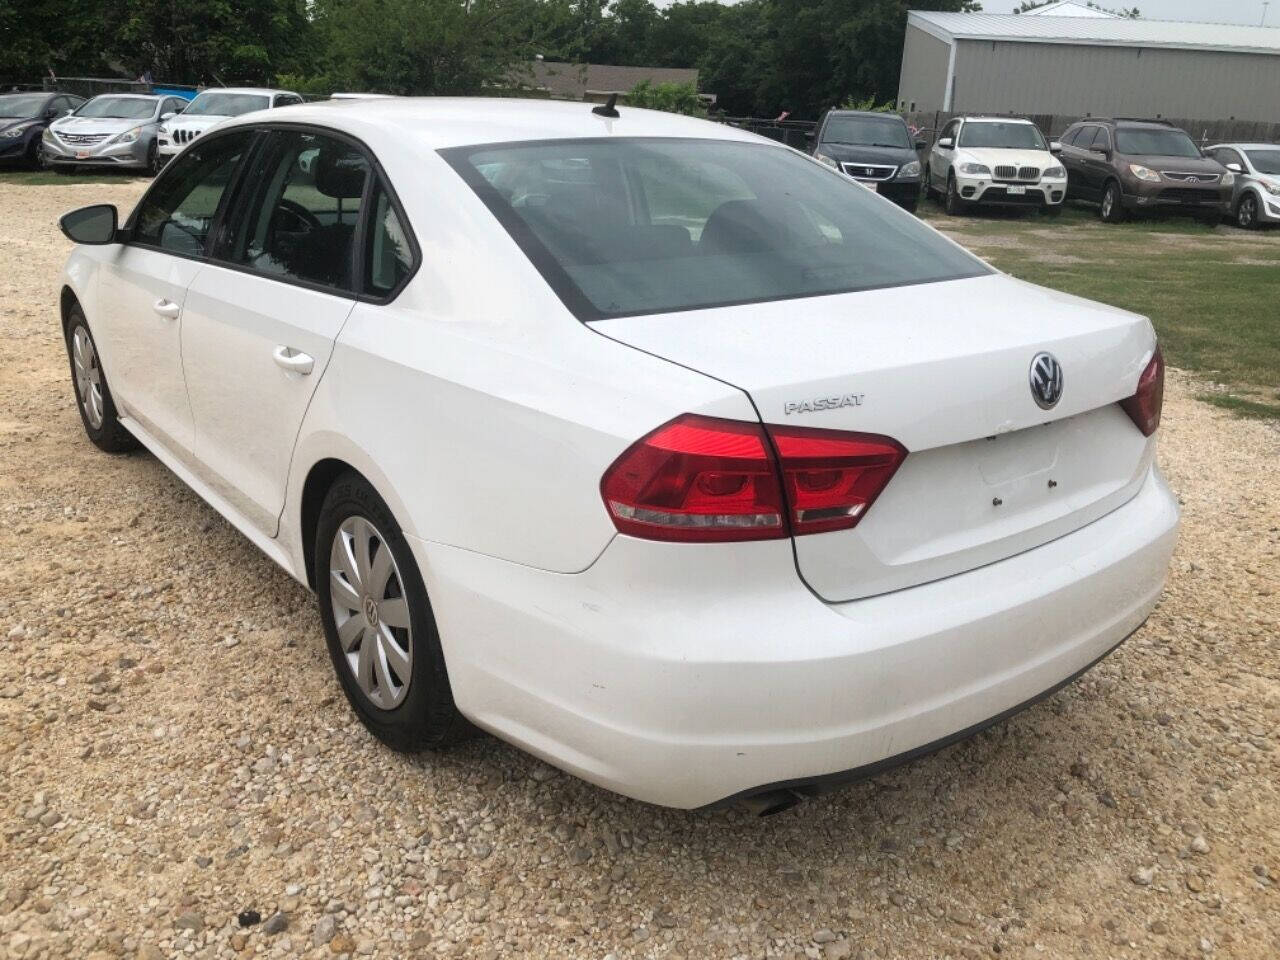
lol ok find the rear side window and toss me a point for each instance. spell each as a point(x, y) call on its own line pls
point(632, 226)
point(298, 220)
point(388, 259)
point(177, 214)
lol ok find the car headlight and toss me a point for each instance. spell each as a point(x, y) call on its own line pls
point(17, 131)
point(47, 135)
point(975, 169)
point(1055, 173)
point(823, 158)
point(911, 169)
point(129, 136)
point(1228, 179)
point(1271, 188)
point(1144, 173)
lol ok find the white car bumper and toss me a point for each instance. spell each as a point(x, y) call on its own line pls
point(686, 674)
point(985, 190)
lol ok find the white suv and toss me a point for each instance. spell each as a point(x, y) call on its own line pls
point(657, 448)
point(995, 161)
point(210, 108)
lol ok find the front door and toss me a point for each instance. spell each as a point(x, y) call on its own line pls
point(261, 320)
point(143, 289)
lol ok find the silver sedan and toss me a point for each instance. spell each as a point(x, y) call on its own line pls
point(1256, 200)
point(111, 130)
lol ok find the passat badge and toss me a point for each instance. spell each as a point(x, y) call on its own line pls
point(824, 403)
point(1046, 380)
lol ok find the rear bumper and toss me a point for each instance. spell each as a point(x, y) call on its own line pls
point(666, 674)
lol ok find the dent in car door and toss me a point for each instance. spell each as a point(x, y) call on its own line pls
point(261, 322)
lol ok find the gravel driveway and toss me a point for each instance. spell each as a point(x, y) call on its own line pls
point(176, 751)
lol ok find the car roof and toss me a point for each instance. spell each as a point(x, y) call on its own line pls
point(864, 113)
point(1246, 146)
point(979, 116)
point(132, 96)
point(262, 91)
point(435, 123)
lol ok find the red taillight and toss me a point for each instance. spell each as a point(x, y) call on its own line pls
point(1145, 405)
point(702, 479)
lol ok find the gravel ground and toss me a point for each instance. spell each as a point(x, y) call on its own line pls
point(176, 752)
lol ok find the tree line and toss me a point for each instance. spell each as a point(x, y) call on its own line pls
point(760, 57)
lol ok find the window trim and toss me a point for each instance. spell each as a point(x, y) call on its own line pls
point(558, 279)
point(232, 200)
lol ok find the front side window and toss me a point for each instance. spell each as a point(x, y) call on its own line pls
point(1265, 161)
point(118, 108)
point(999, 135)
point(388, 258)
point(298, 221)
point(886, 131)
point(1155, 143)
point(215, 104)
point(178, 213)
point(632, 226)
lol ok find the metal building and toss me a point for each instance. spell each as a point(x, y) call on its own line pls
point(1104, 66)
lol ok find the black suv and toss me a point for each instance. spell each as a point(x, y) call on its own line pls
point(876, 149)
point(1134, 165)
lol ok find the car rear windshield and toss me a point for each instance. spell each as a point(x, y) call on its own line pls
point(22, 105)
point(1154, 143)
point(620, 227)
point(1265, 161)
point(118, 108)
point(1012, 136)
point(225, 104)
point(867, 132)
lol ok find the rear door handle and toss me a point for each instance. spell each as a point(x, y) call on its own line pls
point(167, 308)
point(293, 360)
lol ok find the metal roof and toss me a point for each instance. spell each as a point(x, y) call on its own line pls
point(1069, 8)
point(1091, 31)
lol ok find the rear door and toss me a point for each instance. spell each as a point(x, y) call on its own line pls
point(261, 319)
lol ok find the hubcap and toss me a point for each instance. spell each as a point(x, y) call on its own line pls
point(371, 612)
point(84, 359)
point(1107, 202)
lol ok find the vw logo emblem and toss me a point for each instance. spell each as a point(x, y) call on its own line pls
point(1193, 179)
point(1046, 380)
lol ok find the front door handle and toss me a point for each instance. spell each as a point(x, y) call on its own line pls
point(293, 360)
point(167, 308)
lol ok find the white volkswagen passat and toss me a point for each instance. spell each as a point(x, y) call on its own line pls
point(658, 449)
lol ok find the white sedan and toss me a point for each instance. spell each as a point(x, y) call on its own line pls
point(653, 447)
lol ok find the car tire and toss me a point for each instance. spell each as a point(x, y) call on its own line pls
point(93, 395)
point(1246, 215)
point(36, 155)
point(385, 648)
point(153, 159)
point(1111, 207)
point(953, 203)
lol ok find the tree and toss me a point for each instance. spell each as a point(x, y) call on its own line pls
point(671, 97)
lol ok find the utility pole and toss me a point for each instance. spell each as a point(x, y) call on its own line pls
point(1263, 21)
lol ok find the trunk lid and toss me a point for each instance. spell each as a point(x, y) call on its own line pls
point(944, 369)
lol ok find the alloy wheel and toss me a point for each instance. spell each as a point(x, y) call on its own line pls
point(84, 358)
point(371, 612)
point(1247, 213)
point(1108, 204)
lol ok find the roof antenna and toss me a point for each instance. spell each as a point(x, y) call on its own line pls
point(607, 108)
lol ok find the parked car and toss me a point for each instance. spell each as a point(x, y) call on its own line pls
point(111, 130)
point(995, 161)
point(211, 107)
point(1143, 165)
point(23, 117)
point(1256, 167)
point(739, 483)
point(876, 149)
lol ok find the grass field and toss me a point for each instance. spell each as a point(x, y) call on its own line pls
point(1213, 293)
point(45, 178)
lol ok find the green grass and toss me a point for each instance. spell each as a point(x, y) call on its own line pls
point(1242, 406)
point(50, 178)
point(1211, 292)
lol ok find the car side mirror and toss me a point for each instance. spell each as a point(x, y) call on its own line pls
point(69, 111)
point(1235, 168)
point(920, 145)
point(169, 115)
point(946, 143)
point(1055, 147)
point(94, 226)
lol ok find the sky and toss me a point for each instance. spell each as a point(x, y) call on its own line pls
point(1212, 11)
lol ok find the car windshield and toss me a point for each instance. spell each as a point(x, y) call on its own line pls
point(867, 132)
point(23, 105)
point(1011, 136)
point(1265, 161)
point(634, 226)
point(225, 104)
point(1155, 143)
point(118, 108)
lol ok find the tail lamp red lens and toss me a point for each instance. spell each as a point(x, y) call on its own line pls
point(702, 479)
point(1145, 405)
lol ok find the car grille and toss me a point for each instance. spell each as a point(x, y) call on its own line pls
point(1010, 172)
point(1190, 177)
point(869, 171)
point(1188, 195)
point(82, 139)
point(185, 136)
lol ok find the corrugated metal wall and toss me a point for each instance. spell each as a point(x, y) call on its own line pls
point(923, 81)
point(1047, 78)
